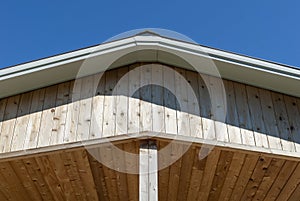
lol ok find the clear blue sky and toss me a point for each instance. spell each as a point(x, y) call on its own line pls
point(267, 29)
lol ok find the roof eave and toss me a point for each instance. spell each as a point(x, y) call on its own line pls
point(230, 66)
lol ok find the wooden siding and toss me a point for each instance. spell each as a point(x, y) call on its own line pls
point(73, 111)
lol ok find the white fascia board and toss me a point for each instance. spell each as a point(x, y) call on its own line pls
point(233, 63)
point(65, 58)
point(255, 64)
point(149, 42)
point(223, 56)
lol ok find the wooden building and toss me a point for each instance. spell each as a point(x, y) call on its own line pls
point(212, 124)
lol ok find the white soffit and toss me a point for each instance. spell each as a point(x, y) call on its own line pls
point(52, 70)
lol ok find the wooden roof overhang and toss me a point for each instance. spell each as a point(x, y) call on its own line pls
point(72, 172)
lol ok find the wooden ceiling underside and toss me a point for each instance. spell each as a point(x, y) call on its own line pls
point(77, 175)
point(56, 176)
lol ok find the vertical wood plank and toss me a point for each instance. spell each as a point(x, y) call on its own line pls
point(3, 103)
point(293, 118)
point(85, 108)
point(96, 128)
point(232, 117)
point(60, 114)
point(244, 114)
point(47, 116)
point(109, 126)
point(218, 100)
point(208, 124)
point(8, 123)
point(261, 139)
point(282, 122)
point(205, 106)
point(145, 97)
point(181, 88)
point(157, 90)
point(19, 133)
point(35, 117)
point(208, 129)
point(122, 101)
point(194, 105)
point(271, 128)
point(170, 100)
point(73, 111)
point(133, 102)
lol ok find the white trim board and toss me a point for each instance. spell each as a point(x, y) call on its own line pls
point(152, 48)
point(144, 136)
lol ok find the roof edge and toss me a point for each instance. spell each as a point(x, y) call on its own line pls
point(229, 64)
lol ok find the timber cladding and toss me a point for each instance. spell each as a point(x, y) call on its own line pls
point(72, 111)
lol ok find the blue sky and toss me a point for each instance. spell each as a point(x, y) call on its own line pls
point(267, 29)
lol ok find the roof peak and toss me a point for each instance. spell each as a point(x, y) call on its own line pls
point(152, 32)
point(147, 33)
